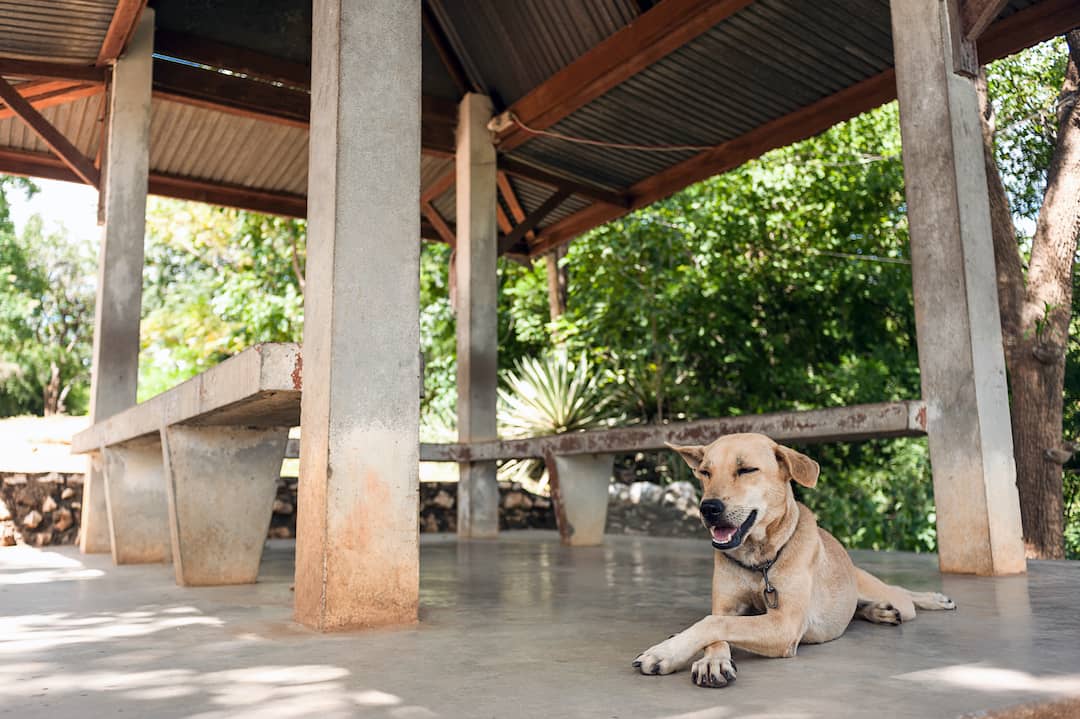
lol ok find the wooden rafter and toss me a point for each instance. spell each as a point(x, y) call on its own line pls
point(441, 185)
point(54, 70)
point(124, 19)
point(36, 164)
point(510, 242)
point(52, 137)
point(252, 63)
point(437, 221)
point(289, 106)
point(449, 58)
point(663, 29)
point(49, 93)
point(977, 15)
point(505, 225)
point(573, 185)
point(506, 189)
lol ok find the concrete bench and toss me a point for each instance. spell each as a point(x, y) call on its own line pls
point(191, 473)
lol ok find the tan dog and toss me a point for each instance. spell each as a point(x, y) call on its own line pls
point(778, 579)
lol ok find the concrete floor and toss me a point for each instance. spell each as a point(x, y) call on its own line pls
point(521, 627)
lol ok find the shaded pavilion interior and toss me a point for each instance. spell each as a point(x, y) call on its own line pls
point(232, 93)
point(685, 89)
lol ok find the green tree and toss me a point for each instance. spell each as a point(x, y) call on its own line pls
point(217, 280)
point(46, 316)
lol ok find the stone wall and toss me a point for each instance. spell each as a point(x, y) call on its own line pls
point(41, 509)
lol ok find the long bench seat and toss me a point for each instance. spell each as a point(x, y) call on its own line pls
point(190, 475)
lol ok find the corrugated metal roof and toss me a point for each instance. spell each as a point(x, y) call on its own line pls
point(511, 47)
point(204, 144)
point(767, 60)
point(54, 30)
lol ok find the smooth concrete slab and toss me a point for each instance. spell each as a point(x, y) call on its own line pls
point(522, 627)
point(260, 387)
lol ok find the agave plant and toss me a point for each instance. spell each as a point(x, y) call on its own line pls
point(548, 395)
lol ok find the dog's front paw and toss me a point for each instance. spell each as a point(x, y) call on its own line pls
point(713, 672)
point(663, 658)
point(932, 600)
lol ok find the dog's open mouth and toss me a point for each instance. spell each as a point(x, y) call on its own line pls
point(727, 537)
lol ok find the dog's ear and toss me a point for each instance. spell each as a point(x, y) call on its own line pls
point(692, 453)
point(799, 467)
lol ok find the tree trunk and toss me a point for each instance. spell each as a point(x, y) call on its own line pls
point(1035, 316)
point(556, 279)
point(52, 391)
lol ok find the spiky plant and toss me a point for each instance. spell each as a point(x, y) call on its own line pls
point(549, 395)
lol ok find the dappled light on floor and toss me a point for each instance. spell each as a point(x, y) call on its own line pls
point(520, 627)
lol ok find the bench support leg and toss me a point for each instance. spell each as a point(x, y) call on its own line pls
point(357, 539)
point(135, 492)
point(94, 526)
point(221, 483)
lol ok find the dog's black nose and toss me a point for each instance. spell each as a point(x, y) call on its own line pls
point(712, 510)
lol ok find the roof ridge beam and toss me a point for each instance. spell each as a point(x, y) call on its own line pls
point(655, 34)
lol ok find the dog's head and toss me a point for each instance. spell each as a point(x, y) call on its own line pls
point(745, 482)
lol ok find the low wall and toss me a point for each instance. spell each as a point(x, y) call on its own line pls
point(40, 508)
point(45, 508)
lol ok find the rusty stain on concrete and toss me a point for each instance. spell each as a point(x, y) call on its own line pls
point(298, 372)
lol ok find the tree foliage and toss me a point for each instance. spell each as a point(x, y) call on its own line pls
point(46, 315)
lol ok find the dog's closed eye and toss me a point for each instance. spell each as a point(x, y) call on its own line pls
point(745, 470)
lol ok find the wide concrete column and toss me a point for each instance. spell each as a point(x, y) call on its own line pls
point(124, 175)
point(138, 505)
point(956, 305)
point(477, 308)
point(221, 483)
point(357, 548)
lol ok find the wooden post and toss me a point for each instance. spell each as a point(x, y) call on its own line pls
point(477, 307)
point(357, 546)
point(956, 306)
point(115, 368)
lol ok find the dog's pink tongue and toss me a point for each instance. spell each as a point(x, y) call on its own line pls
point(723, 534)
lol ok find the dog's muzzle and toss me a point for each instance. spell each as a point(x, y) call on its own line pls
point(728, 527)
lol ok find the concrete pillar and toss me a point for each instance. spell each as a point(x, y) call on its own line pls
point(124, 176)
point(956, 307)
point(357, 548)
point(138, 506)
point(221, 483)
point(477, 308)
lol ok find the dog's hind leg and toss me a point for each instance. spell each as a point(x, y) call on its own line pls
point(882, 603)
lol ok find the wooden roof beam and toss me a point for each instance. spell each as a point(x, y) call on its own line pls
point(573, 185)
point(441, 228)
point(449, 58)
point(655, 34)
point(506, 189)
point(977, 15)
point(124, 19)
point(289, 106)
point(510, 242)
point(252, 63)
point(51, 70)
point(67, 152)
point(52, 92)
